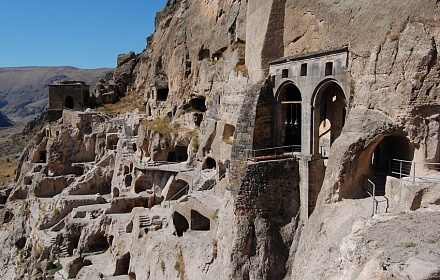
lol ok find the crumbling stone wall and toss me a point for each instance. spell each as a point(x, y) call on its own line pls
point(266, 203)
point(244, 131)
point(269, 189)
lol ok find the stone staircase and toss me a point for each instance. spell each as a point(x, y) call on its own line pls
point(121, 229)
point(64, 253)
point(197, 184)
point(53, 240)
point(144, 221)
point(380, 178)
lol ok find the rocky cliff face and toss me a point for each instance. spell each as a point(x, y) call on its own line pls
point(169, 193)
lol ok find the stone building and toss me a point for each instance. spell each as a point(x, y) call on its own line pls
point(67, 95)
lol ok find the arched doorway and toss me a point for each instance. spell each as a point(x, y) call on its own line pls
point(288, 121)
point(329, 116)
point(68, 102)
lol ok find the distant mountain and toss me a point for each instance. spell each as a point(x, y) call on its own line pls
point(4, 121)
point(24, 91)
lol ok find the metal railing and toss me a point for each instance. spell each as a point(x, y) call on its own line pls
point(189, 187)
point(185, 190)
point(273, 153)
point(215, 182)
point(161, 165)
point(417, 170)
point(370, 188)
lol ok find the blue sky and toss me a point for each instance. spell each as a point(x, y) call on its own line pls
point(80, 33)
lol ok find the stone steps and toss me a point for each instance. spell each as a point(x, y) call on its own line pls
point(63, 251)
point(53, 240)
point(144, 221)
point(121, 229)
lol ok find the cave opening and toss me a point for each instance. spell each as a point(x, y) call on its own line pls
point(43, 156)
point(180, 223)
point(162, 94)
point(210, 163)
point(122, 265)
point(128, 180)
point(393, 147)
point(181, 153)
point(199, 222)
point(198, 103)
point(142, 184)
point(97, 243)
point(115, 192)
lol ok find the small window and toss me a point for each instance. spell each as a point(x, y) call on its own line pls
point(285, 73)
point(303, 69)
point(328, 68)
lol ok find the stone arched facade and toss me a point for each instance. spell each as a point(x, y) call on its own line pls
point(312, 76)
point(67, 95)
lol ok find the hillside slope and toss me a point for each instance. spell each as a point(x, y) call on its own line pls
point(4, 121)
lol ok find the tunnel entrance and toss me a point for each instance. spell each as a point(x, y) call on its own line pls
point(391, 147)
point(180, 223)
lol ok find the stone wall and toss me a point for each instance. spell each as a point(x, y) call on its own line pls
point(269, 189)
point(266, 207)
point(243, 137)
point(71, 95)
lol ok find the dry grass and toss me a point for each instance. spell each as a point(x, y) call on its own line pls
point(228, 139)
point(242, 69)
point(7, 168)
point(180, 265)
point(161, 125)
point(127, 103)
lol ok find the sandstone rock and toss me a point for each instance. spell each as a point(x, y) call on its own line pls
point(423, 266)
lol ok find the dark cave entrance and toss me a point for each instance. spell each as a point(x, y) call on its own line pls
point(162, 94)
point(210, 163)
point(199, 222)
point(180, 223)
point(394, 147)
